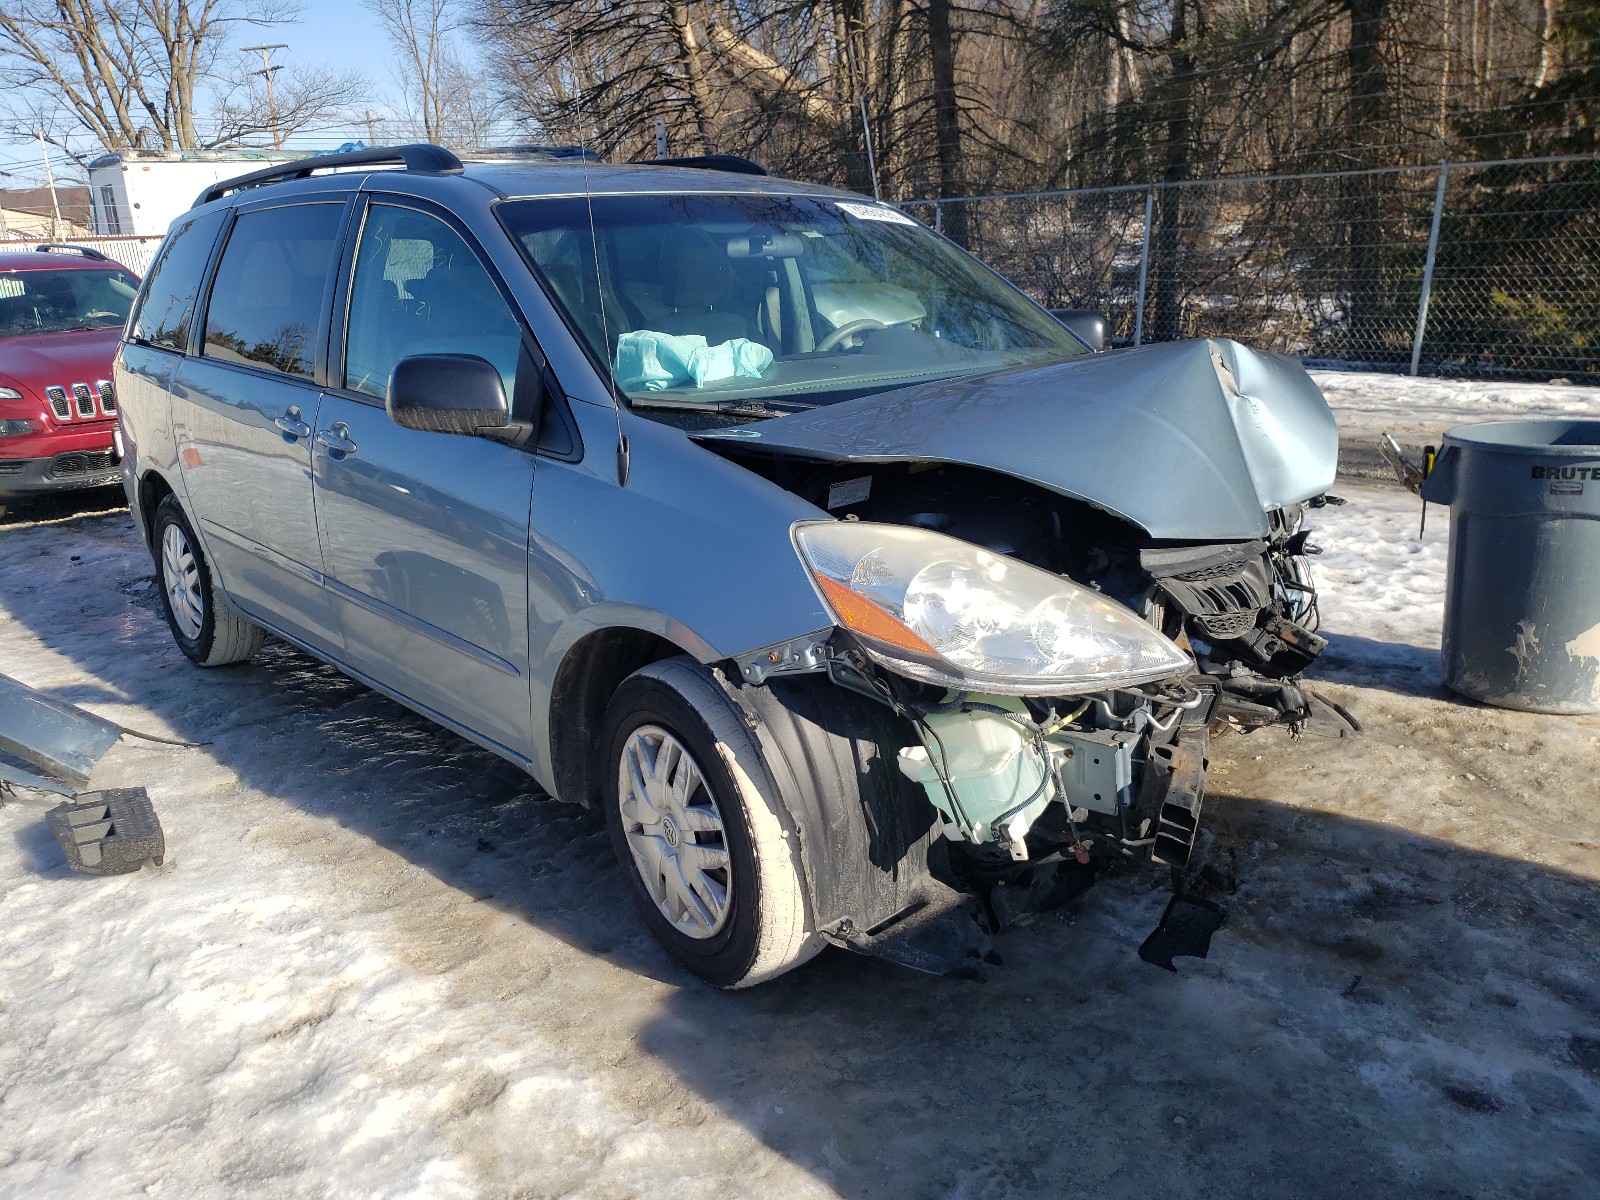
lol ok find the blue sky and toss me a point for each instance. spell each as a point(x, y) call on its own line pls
point(333, 33)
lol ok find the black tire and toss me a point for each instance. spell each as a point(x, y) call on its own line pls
point(765, 930)
point(223, 637)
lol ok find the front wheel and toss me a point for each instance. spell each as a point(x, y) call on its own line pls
point(207, 628)
point(697, 827)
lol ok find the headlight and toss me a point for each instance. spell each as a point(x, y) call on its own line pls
point(945, 611)
point(10, 394)
point(16, 427)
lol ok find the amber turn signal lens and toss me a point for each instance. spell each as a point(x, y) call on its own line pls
point(862, 616)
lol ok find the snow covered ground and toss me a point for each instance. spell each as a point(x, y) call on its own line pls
point(378, 963)
point(1418, 411)
point(1373, 400)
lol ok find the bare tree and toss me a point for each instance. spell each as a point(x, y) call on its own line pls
point(1369, 97)
point(966, 97)
point(798, 82)
point(133, 73)
point(1548, 23)
point(441, 96)
point(946, 114)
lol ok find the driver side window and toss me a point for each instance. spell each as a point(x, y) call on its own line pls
point(419, 289)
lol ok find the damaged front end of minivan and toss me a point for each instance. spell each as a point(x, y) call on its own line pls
point(1051, 730)
point(1058, 640)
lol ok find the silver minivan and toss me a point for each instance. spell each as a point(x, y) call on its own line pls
point(873, 604)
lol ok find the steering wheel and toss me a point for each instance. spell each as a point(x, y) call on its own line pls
point(848, 329)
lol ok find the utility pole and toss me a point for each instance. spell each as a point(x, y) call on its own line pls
point(269, 71)
point(369, 121)
point(50, 182)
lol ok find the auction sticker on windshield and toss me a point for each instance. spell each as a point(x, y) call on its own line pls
point(871, 212)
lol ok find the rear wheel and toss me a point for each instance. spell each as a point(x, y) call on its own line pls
point(697, 827)
point(207, 628)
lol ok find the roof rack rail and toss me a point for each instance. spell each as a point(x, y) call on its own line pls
point(86, 251)
point(534, 150)
point(708, 162)
point(421, 158)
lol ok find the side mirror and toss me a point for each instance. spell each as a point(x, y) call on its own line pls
point(448, 393)
point(1089, 325)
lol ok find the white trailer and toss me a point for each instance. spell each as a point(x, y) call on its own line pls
point(140, 193)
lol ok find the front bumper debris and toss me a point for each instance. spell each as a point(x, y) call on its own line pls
point(1185, 929)
point(1183, 762)
point(60, 739)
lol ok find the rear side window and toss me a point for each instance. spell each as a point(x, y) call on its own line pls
point(268, 290)
point(171, 287)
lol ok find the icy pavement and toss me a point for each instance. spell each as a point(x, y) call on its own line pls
point(378, 963)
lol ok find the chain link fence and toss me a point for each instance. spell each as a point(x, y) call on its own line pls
point(1483, 269)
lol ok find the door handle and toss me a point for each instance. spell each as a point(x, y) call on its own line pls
point(336, 439)
point(292, 426)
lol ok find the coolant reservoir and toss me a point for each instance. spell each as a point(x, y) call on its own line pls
point(990, 765)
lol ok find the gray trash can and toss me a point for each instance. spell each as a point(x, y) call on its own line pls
point(1522, 593)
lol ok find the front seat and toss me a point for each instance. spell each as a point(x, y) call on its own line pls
point(54, 301)
point(701, 291)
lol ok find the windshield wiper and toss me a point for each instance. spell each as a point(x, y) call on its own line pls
point(723, 408)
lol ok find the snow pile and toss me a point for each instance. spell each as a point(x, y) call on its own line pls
point(1381, 578)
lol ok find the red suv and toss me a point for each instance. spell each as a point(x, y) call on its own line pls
point(60, 317)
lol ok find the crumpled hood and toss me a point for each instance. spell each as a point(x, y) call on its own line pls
point(38, 360)
point(1187, 440)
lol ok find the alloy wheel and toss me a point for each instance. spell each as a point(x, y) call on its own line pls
point(674, 831)
point(180, 575)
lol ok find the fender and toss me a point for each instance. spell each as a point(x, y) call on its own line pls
point(862, 831)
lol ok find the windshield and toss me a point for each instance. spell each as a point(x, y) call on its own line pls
point(771, 299)
point(58, 301)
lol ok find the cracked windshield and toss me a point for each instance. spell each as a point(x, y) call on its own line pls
point(708, 299)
